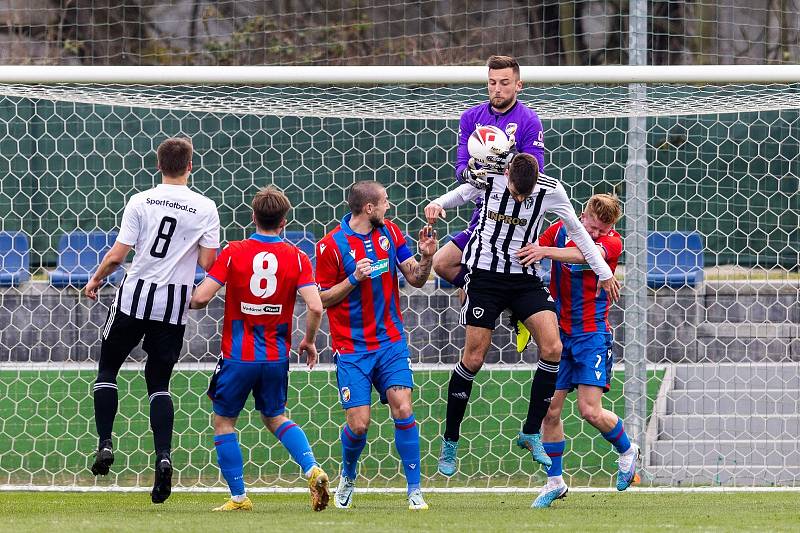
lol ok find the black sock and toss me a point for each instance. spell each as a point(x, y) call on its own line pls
point(162, 415)
point(105, 408)
point(458, 392)
point(542, 388)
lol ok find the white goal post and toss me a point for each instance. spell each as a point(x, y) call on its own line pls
point(394, 75)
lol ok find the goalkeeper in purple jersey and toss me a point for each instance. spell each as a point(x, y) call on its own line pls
point(521, 124)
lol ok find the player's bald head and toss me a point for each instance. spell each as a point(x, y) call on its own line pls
point(362, 193)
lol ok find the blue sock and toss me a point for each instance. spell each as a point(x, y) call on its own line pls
point(406, 440)
point(229, 457)
point(294, 439)
point(352, 446)
point(555, 451)
point(618, 438)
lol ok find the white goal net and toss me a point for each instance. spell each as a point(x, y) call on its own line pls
point(722, 382)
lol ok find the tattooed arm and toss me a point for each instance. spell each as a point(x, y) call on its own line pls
point(417, 272)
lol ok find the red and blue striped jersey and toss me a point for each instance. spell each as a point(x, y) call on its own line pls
point(262, 275)
point(369, 318)
point(574, 286)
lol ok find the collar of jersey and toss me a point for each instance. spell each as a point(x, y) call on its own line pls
point(504, 113)
point(172, 185)
point(348, 230)
point(266, 238)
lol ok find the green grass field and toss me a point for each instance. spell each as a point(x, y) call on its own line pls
point(486, 513)
point(47, 432)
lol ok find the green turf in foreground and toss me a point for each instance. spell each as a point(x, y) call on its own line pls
point(185, 513)
point(47, 436)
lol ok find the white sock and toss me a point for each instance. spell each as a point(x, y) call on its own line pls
point(555, 480)
point(240, 498)
point(629, 451)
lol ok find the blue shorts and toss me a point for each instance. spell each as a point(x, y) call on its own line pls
point(232, 383)
point(356, 373)
point(585, 360)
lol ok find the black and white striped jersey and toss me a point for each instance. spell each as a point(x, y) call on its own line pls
point(506, 225)
point(166, 225)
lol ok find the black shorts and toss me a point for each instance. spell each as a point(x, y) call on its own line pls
point(121, 333)
point(490, 293)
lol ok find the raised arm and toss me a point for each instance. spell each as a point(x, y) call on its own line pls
point(417, 272)
point(454, 198)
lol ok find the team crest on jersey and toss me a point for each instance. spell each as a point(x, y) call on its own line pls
point(383, 241)
point(528, 202)
point(345, 394)
point(477, 312)
point(511, 129)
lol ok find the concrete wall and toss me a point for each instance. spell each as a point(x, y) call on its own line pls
point(718, 322)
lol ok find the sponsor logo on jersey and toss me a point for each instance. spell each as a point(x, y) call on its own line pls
point(261, 309)
point(345, 394)
point(171, 204)
point(383, 241)
point(353, 254)
point(486, 134)
point(507, 219)
point(379, 267)
point(322, 248)
point(597, 374)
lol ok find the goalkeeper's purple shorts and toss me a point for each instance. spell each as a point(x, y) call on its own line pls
point(461, 238)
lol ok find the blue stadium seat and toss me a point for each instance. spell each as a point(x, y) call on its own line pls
point(14, 258)
point(674, 259)
point(79, 254)
point(305, 240)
